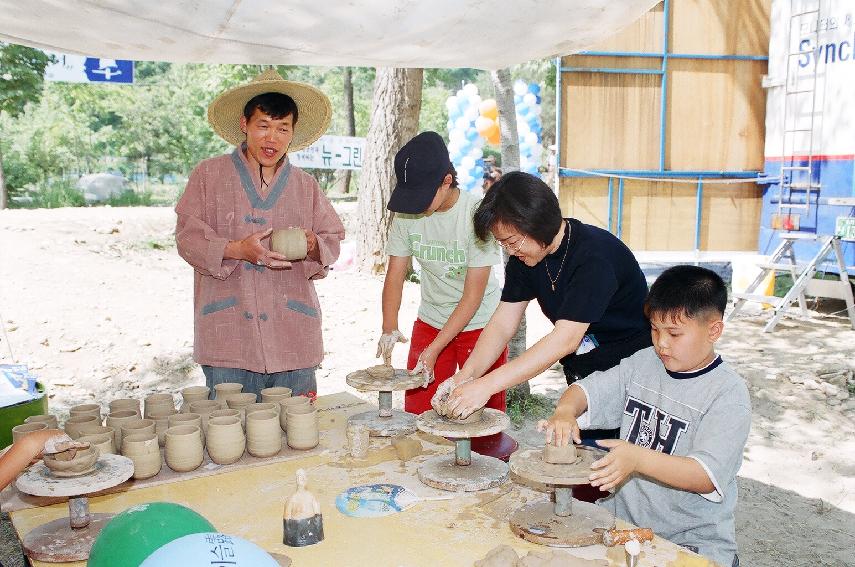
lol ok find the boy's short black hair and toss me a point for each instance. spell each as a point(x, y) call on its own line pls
point(275, 105)
point(522, 201)
point(690, 291)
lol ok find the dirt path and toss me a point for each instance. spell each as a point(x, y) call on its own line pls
point(99, 304)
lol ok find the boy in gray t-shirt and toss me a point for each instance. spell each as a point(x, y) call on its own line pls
point(684, 417)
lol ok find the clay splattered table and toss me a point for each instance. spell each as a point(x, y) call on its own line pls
point(385, 422)
point(71, 538)
point(567, 522)
point(463, 470)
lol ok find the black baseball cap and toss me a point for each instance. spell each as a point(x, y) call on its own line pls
point(420, 167)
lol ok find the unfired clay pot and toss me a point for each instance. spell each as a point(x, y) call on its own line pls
point(290, 242)
point(275, 394)
point(138, 426)
point(159, 403)
point(104, 442)
point(117, 419)
point(144, 451)
point(203, 409)
point(263, 435)
point(302, 425)
point(184, 450)
point(120, 404)
point(86, 409)
point(559, 455)
point(223, 390)
point(229, 413)
point(49, 419)
point(20, 431)
point(262, 406)
point(161, 423)
point(95, 429)
point(73, 423)
point(82, 463)
point(226, 440)
point(187, 419)
point(286, 403)
point(238, 401)
point(193, 394)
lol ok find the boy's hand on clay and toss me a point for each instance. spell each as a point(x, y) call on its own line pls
point(561, 429)
point(621, 461)
point(254, 252)
point(467, 397)
point(386, 343)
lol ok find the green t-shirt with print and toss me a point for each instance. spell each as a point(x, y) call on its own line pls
point(445, 245)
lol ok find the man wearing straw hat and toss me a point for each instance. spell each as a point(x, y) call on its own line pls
point(257, 316)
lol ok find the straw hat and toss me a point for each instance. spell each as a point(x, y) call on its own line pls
point(313, 108)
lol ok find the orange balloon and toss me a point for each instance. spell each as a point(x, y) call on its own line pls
point(492, 134)
point(483, 124)
point(488, 109)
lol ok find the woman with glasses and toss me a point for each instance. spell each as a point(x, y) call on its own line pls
point(433, 223)
point(587, 282)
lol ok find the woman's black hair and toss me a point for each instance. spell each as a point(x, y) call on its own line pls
point(524, 202)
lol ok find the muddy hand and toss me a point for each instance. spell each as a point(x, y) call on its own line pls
point(423, 369)
point(386, 343)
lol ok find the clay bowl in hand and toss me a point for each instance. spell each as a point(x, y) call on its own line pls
point(82, 463)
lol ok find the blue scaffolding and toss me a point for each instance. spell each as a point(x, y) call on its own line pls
point(652, 174)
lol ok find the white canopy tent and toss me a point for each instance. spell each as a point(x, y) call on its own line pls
point(487, 34)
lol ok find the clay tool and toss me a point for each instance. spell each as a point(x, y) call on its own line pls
point(385, 422)
point(463, 470)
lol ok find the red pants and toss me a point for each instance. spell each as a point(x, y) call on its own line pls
point(452, 357)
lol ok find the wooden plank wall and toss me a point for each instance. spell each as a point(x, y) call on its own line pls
point(714, 121)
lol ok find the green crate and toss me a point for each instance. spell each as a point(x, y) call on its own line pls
point(11, 416)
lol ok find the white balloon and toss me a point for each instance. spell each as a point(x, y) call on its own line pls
point(531, 138)
point(476, 153)
point(523, 128)
point(451, 102)
point(529, 99)
point(471, 113)
point(520, 88)
point(455, 136)
point(475, 100)
point(462, 124)
point(468, 162)
point(471, 89)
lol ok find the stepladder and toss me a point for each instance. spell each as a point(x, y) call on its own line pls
point(829, 258)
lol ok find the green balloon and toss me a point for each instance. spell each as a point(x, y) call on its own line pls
point(131, 536)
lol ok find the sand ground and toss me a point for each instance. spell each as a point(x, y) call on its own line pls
point(98, 303)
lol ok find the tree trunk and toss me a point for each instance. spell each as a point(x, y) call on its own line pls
point(351, 119)
point(3, 198)
point(394, 120)
point(504, 91)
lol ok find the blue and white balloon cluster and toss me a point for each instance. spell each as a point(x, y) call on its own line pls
point(464, 143)
point(529, 126)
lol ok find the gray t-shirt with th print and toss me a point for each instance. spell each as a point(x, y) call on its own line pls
point(705, 415)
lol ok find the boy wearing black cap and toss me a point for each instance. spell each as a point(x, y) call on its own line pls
point(433, 224)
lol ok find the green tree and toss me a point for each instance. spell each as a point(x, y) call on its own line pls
point(21, 76)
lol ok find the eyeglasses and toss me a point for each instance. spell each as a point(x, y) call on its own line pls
point(508, 248)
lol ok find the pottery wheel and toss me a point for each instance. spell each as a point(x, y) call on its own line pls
point(58, 541)
point(110, 470)
point(393, 380)
point(531, 466)
point(492, 421)
point(540, 522)
point(385, 422)
point(463, 470)
point(444, 473)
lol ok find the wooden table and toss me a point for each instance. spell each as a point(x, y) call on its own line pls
point(248, 503)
